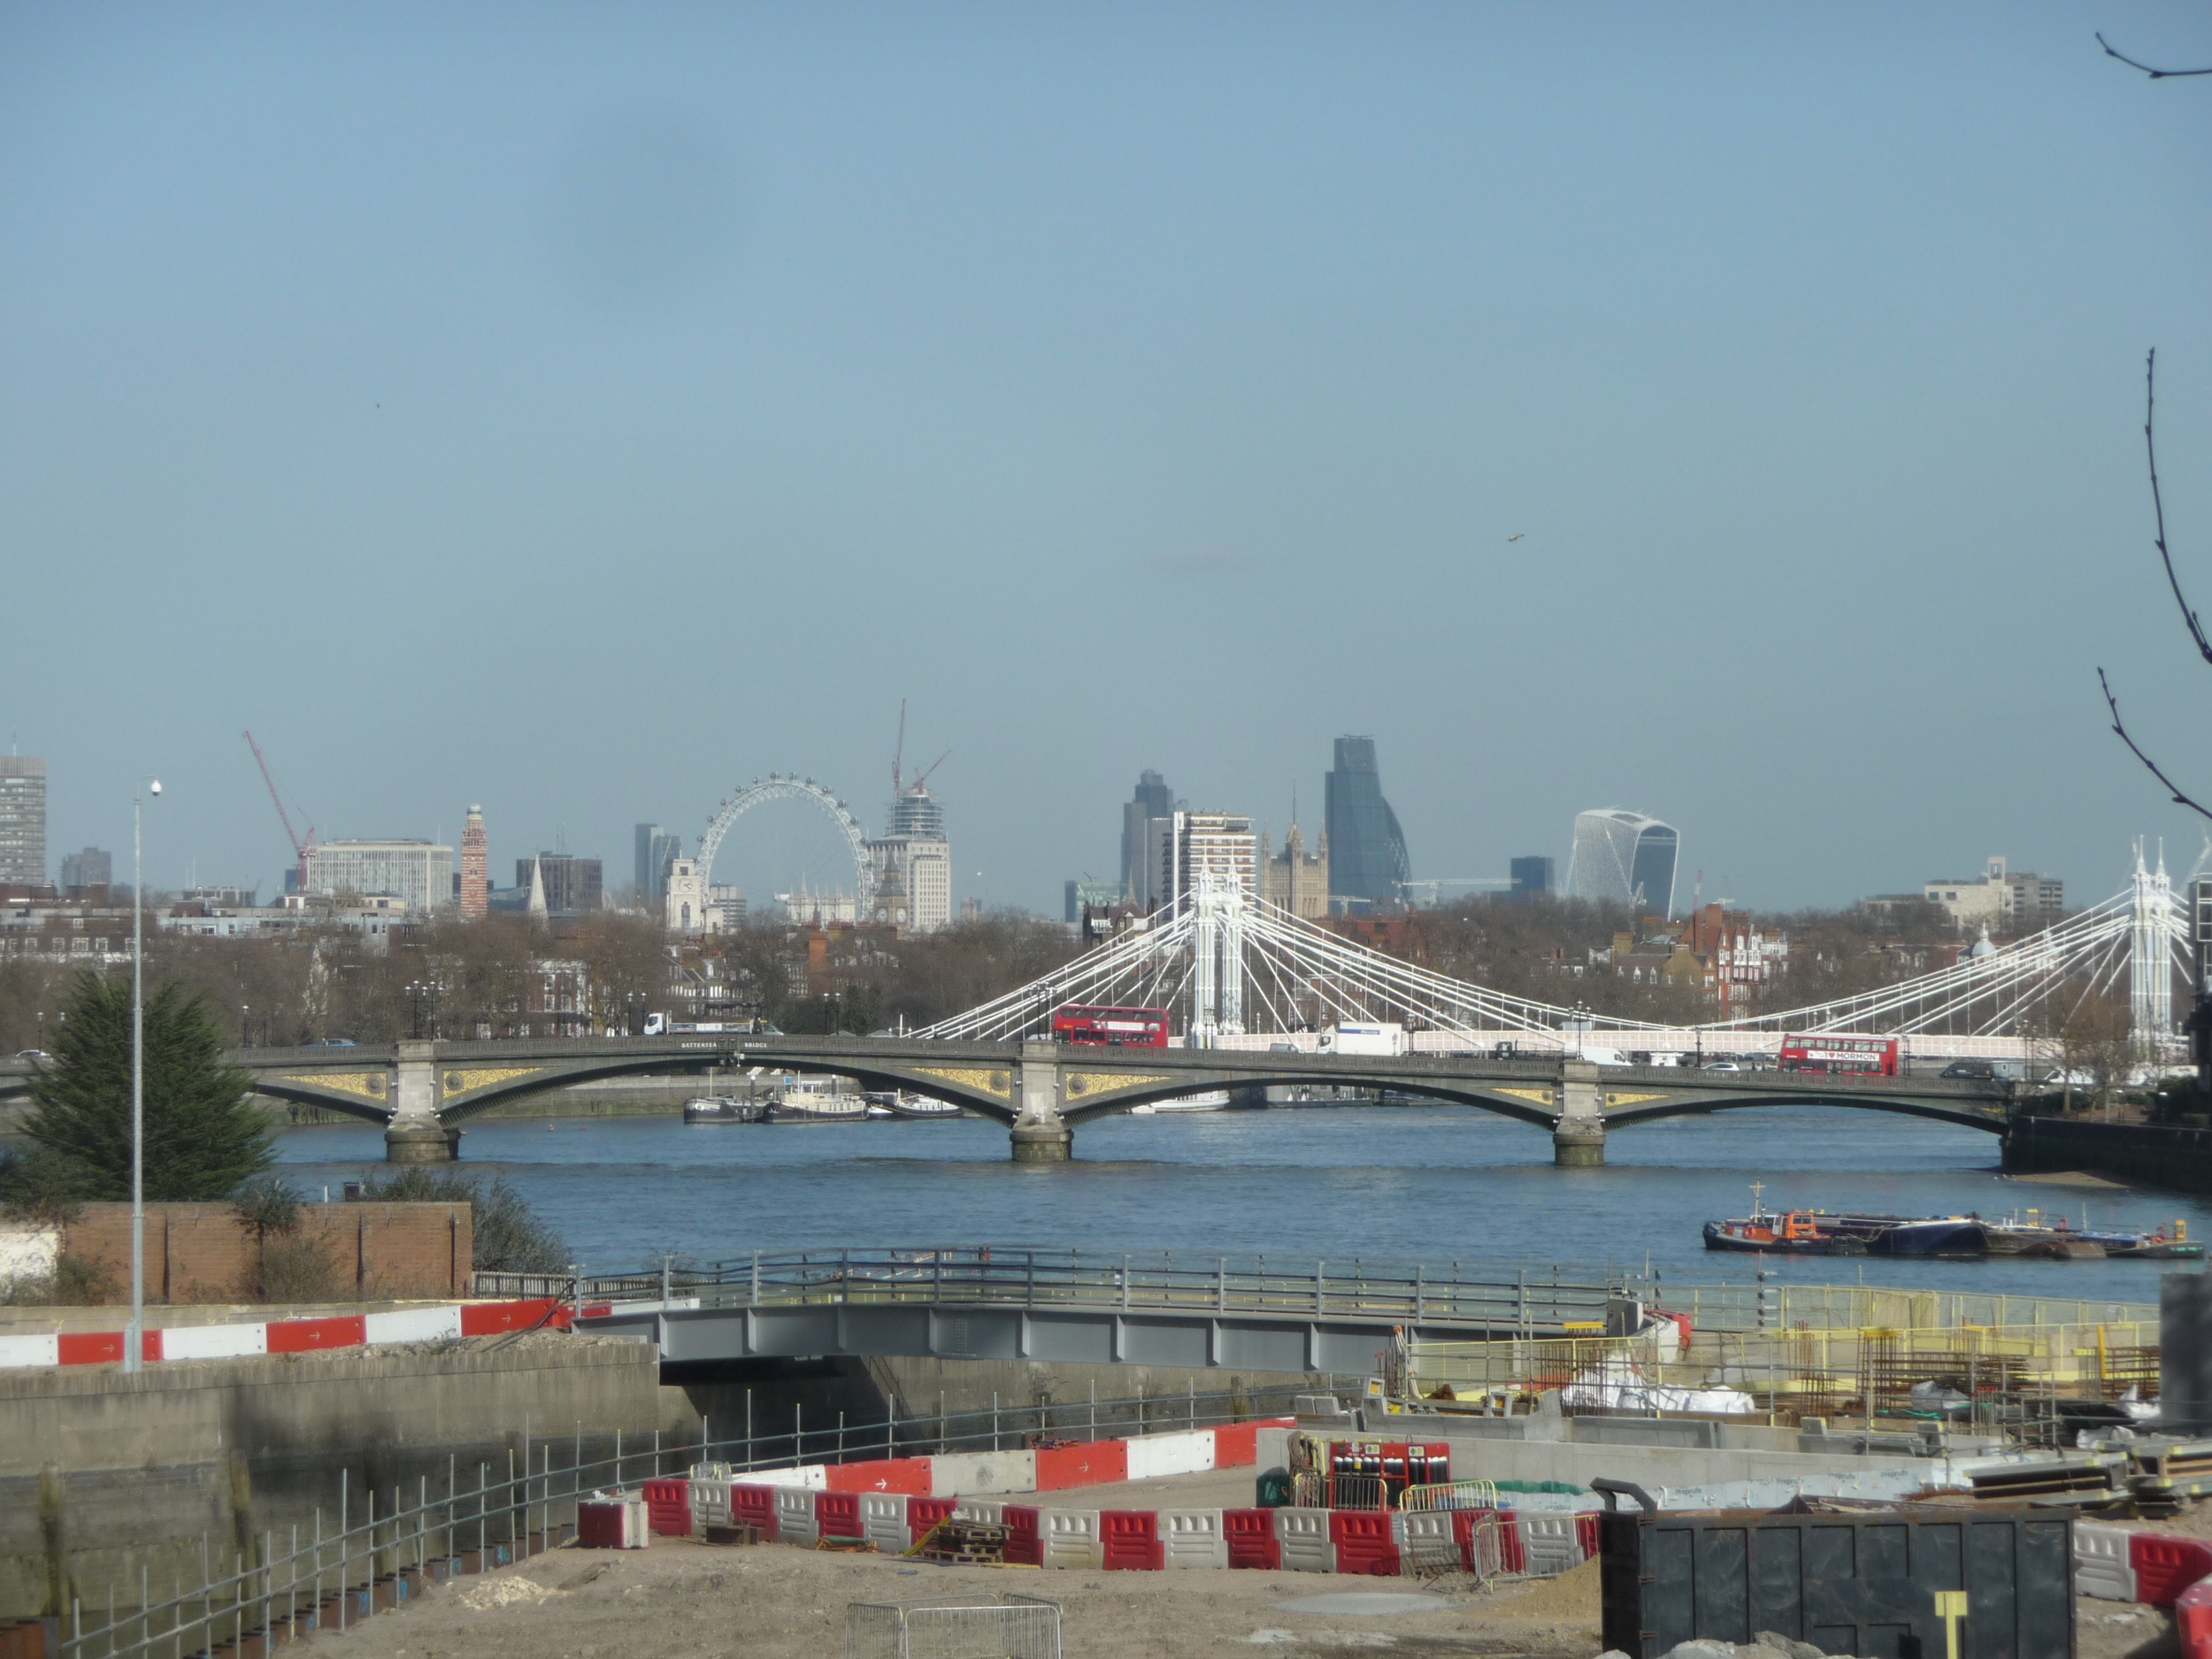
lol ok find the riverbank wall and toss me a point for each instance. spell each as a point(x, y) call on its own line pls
point(105, 1476)
point(2155, 1155)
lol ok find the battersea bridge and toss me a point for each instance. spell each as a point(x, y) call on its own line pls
point(1263, 993)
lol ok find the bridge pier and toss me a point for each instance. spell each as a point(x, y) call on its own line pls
point(1041, 1134)
point(1578, 1139)
point(416, 1135)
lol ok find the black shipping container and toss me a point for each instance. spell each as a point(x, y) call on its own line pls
point(1861, 1584)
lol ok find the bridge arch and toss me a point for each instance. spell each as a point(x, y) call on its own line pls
point(1481, 1100)
point(776, 787)
point(1990, 1123)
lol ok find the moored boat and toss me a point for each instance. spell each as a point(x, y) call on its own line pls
point(800, 1105)
point(1787, 1233)
point(723, 1108)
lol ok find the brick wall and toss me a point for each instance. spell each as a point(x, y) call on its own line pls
point(202, 1253)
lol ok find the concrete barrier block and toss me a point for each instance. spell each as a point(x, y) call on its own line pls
point(1189, 1453)
point(956, 1474)
point(213, 1341)
point(415, 1324)
point(812, 1477)
point(30, 1350)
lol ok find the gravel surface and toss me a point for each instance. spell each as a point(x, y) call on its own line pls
point(677, 1600)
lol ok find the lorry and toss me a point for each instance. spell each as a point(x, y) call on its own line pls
point(1385, 1038)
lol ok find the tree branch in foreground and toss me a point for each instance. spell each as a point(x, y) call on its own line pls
point(2134, 749)
point(2155, 74)
point(2158, 507)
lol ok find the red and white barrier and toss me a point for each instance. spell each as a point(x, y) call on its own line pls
point(2192, 1620)
point(178, 1343)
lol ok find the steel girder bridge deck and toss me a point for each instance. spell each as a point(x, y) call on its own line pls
point(1240, 1312)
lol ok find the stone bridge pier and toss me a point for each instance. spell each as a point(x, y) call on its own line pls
point(1578, 1140)
point(1041, 1134)
point(416, 1134)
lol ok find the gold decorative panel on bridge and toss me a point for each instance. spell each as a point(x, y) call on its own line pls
point(1621, 1097)
point(367, 1085)
point(1082, 1084)
point(466, 1081)
point(999, 1084)
point(1539, 1096)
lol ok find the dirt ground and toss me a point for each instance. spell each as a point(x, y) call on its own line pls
point(679, 1600)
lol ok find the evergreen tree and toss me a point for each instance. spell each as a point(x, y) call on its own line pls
point(204, 1136)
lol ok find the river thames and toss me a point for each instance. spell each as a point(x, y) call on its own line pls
point(1433, 1184)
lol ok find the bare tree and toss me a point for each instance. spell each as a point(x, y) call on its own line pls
point(2188, 616)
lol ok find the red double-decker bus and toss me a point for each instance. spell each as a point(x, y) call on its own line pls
point(1110, 1027)
point(1856, 1057)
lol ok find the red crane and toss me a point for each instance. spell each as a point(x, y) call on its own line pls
point(299, 847)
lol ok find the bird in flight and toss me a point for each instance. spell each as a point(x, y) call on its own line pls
point(1518, 536)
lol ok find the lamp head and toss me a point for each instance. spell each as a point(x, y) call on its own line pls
point(154, 787)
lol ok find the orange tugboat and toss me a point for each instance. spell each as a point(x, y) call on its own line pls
point(1792, 1233)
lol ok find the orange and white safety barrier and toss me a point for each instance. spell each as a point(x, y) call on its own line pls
point(284, 1336)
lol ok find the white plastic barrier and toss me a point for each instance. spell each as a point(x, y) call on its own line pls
point(1426, 1541)
point(883, 1522)
point(955, 1474)
point(795, 1517)
point(983, 1511)
point(1152, 1455)
point(408, 1324)
point(1193, 1538)
point(1551, 1541)
point(1068, 1537)
point(1303, 1538)
point(811, 1476)
point(231, 1341)
point(2102, 1559)
point(709, 1501)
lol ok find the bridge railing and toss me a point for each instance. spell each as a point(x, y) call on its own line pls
point(1486, 1294)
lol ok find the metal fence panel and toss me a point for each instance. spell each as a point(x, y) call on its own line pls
point(1006, 1627)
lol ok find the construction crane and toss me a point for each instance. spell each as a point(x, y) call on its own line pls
point(301, 849)
point(898, 754)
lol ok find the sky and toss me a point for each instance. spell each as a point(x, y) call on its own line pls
point(584, 409)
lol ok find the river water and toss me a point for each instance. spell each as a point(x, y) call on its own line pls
point(1430, 1183)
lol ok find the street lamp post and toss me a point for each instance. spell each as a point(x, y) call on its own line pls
point(134, 1339)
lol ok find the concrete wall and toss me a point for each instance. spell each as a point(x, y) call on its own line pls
point(204, 1253)
point(101, 1473)
point(865, 1389)
point(2153, 1153)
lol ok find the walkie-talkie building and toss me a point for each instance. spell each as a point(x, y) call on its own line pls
point(1624, 858)
point(1367, 850)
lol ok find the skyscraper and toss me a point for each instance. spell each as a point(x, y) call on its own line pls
point(82, 871)
point(1367, 850)
point(1187, 845)
point(476, 868)
point(1153, 800)
point(23, 821)
point(1530, 875)
point(657, 849)
point(572, 884)
point(1624, 858)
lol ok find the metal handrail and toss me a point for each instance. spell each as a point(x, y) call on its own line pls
point(1471, 1293)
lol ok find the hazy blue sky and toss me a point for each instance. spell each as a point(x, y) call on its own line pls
point(583, 409)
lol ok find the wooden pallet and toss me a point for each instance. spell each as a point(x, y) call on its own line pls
point(963, 1544)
